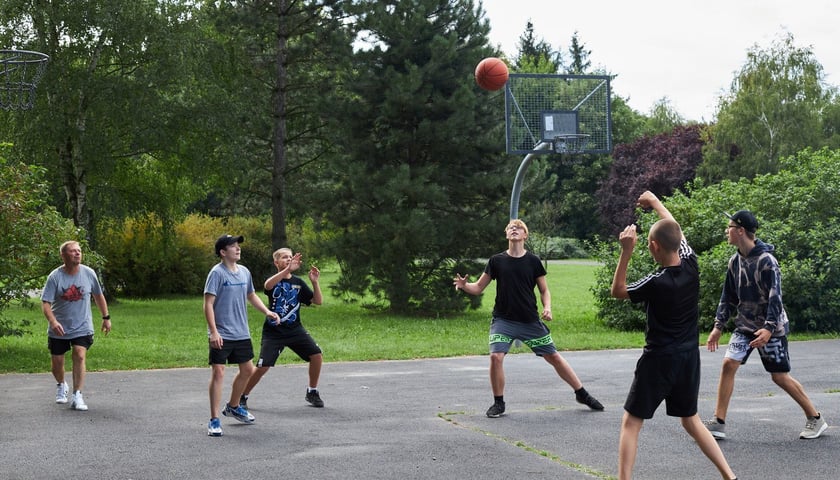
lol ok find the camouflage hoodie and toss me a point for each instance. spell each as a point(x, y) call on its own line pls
point(753, 290)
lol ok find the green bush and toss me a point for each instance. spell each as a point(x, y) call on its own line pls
point(619, 314)
point(147, 258)
point(797, 211)
point(556, 248)
point(31, 233)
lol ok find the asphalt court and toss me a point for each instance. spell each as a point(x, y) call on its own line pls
point(419, 419)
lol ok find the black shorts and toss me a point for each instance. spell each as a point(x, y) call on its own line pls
point(673, 377)
point(60, 346)
point(300, 342)
point(232, 351)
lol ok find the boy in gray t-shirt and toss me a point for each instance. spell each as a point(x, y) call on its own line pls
point(228, 287)
point(65, 303)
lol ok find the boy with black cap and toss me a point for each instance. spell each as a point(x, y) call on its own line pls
point(753, 290)
point(227, 288)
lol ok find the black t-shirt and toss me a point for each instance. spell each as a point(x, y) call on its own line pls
point(515, 279)
point(671, 296)
point(286, 298)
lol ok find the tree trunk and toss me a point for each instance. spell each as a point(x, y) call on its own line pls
point(278, 171)
point(74, 179)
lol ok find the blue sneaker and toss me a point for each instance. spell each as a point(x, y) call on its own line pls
point(238, 413)
point(214, 428)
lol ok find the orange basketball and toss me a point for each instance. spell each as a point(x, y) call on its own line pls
point(491, 74)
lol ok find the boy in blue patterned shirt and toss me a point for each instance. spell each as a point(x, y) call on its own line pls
point(286, 294)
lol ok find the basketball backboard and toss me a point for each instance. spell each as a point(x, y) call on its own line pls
point(570, 112)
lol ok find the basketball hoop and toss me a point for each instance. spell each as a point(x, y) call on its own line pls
point(570, 143)
point(20, 72)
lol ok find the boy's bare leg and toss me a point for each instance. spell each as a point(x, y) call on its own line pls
point(708, 445)
point(562, 367)
point(628, 444)
point(217, 376)
point(795, 390)
point(726, 385)
point(240, 381)
point(315, 362)
point(255, 379)
point(497, 374)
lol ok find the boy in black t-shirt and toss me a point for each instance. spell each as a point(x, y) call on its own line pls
point(286, 294)
point(669, 368)
point(515, 315)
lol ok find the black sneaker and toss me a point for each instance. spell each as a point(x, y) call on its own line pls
point(243, 400)
point(496, 410)
point(585, 398)
point(313, 398)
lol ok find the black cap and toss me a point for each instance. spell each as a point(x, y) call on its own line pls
point(226, 240)
point(744, 218)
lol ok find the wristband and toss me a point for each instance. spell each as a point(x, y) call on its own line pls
point(106, 317)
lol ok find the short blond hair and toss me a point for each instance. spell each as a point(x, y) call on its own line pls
point(280, 251)
point(517, 222)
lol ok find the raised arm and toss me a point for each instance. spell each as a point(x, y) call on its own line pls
point(648, 200)
point(314, 277)
point(293, 265)
point(627, 239)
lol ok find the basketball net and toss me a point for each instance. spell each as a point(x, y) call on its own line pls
point(20, 72)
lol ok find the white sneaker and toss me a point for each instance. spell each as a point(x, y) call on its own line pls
point(78, 402)
point(61, 391)
point(814, 427)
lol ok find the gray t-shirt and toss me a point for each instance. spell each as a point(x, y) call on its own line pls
point(69, 296)
point(231, 290)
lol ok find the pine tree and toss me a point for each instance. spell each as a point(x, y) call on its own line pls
point(420, 181)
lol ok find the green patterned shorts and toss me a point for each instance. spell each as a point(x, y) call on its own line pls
point(535, 335)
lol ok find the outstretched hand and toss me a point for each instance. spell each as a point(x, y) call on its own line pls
point(294, 263)
point(460, 281)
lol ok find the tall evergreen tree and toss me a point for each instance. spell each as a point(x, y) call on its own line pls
point(536, 56)
point(421, 181)
point(580, 57)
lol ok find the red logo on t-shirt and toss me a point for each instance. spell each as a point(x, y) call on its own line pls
point(72, 294)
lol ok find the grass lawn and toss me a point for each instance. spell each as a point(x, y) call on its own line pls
point(171, 332)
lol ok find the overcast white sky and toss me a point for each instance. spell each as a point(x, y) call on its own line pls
point(686, 51)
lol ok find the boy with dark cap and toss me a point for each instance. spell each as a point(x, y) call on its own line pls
point(753, 290)
point(226, 290)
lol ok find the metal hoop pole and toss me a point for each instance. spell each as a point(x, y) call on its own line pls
point(520, 176)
